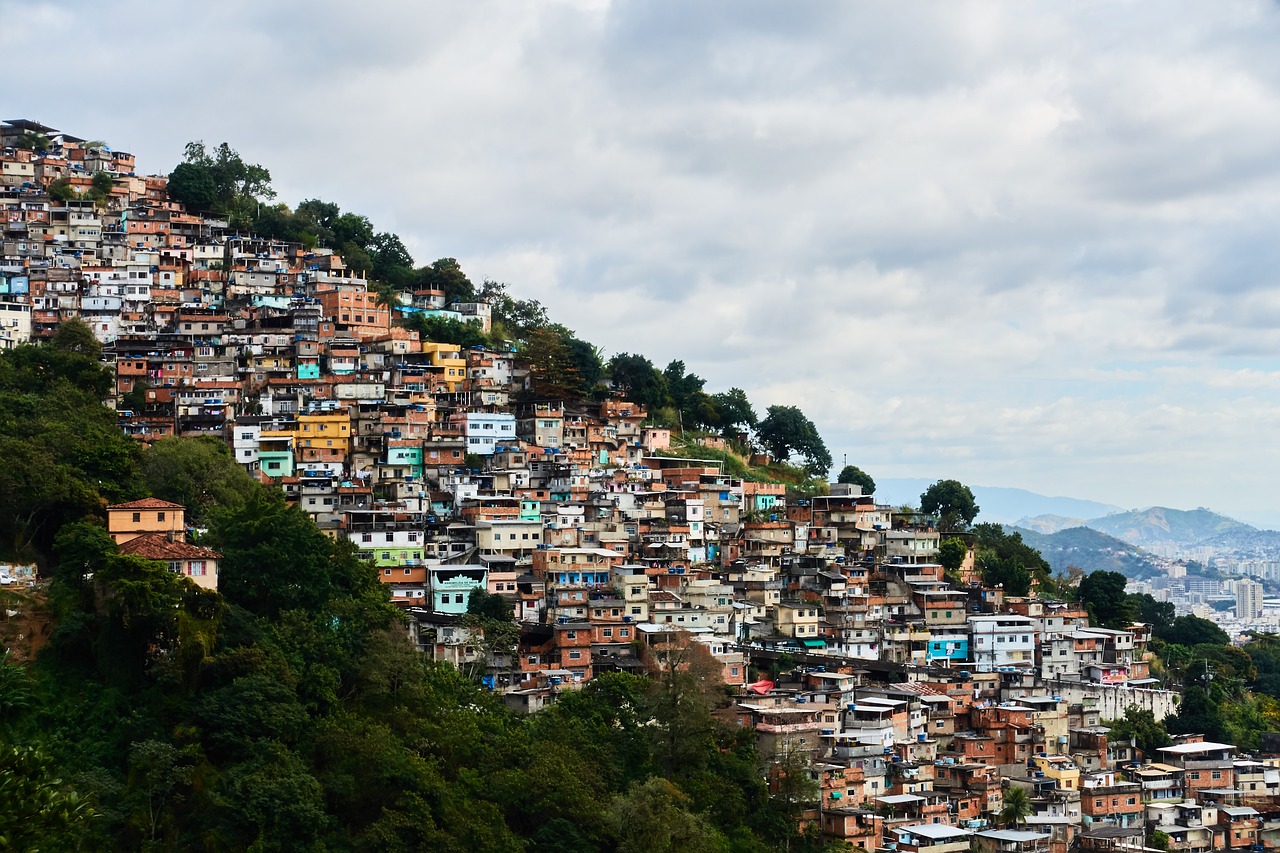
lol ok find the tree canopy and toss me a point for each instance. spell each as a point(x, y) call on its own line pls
point(785, 431)
point(856, 476)
point(952, 502)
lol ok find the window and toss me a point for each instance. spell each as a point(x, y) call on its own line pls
point(137, 517)
point(571, 635)
point(159, 516)
point(574, 654)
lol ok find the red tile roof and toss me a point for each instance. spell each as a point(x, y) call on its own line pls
point(147, 503)
point(156, 546)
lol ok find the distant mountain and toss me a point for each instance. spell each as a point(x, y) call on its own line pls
point(1160, 524)
point(997, 503)
point(1090, 550)
point(1049, 523)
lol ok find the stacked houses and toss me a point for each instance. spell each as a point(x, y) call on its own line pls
point(914, 702)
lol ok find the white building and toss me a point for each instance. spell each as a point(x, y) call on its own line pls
point(1248, 599)
point(1002, 641)
point(15, 324)
point(485, 431)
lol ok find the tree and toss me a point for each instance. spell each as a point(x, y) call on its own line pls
point(447, 330)
point(1147, 609)
point(553, 372)
point(446, 275)
point(1191, 631)
point(786, 431)
point(1016, 808)
point(952, 502)
point(198, 473)
point(1102, 594)
point(736, 414)
point(635, 377)
point(481, 602)
point(1140, 726)
point(220, 181)
point(856, 476)
point(655, 817)
point(1008, 574)
point(38, 810)
point(951, 554)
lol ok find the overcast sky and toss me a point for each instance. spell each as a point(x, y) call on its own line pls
point(1018, 244)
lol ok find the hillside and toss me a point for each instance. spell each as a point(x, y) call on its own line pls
point(1049, 523)
point(1089, 550)
point(1159, 524)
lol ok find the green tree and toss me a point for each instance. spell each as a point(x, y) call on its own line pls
point(654, 817)
point(38, 810)
point(193, 186)
point(1140, 726)
point(1191, 631)
point(447, 330)
point(951, 554)
point(952, 502)
point(1010, 575)
point(1102, 594)
point(552, 370)
point(198, 473)
point(446, 275)
point(1147, 609)
point(1016, 808)
point(856, 476)
point(635, 377)
point(786, 431)
point(490, 605)
point(736, 414)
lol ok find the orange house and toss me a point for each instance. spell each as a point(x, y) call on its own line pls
point(149, 515)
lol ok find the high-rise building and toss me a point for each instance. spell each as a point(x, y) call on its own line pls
point(1248, 599)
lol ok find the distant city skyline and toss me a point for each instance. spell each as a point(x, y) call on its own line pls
point(1025, 245)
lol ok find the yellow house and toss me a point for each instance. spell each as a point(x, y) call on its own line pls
point(798, 619)
point(1059, 768)
point(449, 363)
point(149, 515)
point(328, 430)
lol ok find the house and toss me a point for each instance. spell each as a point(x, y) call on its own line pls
point(147, 516)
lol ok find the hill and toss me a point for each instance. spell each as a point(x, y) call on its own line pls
point(1049, 523)
point(999, 504)
point(1160, 524)
point(1089, 550)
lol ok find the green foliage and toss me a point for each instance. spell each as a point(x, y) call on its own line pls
point(1102, 594)
point(198, 473)
point(1016, 808)
point(786, 431)
point(951, 554)
point(447, 330)
point(446, 275)
point(856, 476)
point(1191, 631)
point(952, 502)
point(490, 605)
point(1147, 609)
point(65, 456)
point(736, 414)
point(1004, 559)
point(1140, 726)
point(38, 810)
point(635, 378)
point(220, 181)
point(1010, 575)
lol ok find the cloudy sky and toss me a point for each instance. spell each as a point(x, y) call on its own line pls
point(1019, 244)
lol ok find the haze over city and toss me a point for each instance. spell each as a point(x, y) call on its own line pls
point(1022, 245)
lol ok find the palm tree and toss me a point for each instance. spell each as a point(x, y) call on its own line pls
point(1017, 806)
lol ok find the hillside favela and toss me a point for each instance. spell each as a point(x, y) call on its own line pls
point(312, 548)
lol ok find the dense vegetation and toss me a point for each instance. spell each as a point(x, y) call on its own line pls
point(290, 712)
